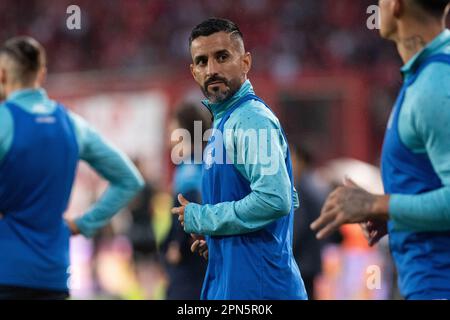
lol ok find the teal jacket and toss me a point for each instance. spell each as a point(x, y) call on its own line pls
point(125, 181)
point(424, 127)
point(271, 195)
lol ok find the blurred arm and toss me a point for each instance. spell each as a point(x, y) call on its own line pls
point(110, 163)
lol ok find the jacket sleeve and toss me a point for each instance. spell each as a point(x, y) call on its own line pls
point(110, 163)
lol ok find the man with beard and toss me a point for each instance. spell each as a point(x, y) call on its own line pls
point(247, 211)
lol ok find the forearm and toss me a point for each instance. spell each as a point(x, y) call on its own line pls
point(112, 201)
point(421, 212)
point(249, 214)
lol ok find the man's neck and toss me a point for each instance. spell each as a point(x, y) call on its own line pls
point(16, 87)
point(414, 37)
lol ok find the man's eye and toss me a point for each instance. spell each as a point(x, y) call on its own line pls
point(223, 57)
point(201, 62)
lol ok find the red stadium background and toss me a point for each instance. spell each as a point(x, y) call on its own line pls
point(330, 79)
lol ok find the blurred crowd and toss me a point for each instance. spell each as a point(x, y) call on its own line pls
point(289, 36)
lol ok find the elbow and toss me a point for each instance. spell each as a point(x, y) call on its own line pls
point(283, 210)
point(282, 206)
point(136, 184)
point(275, 205)
point(139, 184)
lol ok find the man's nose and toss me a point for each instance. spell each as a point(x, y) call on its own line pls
point(212, 68)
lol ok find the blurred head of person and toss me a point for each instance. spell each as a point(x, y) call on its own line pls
point(301, 160)
point(220, 63)
point(399, 17)
point(188, 117)
point(22, 65)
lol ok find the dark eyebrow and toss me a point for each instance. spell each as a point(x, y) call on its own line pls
point(218, 53)
point(198, 58)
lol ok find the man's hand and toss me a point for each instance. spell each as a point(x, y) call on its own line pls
point(374, 230)
point(199, 245)
point(349, 204)
point(72, 227)
point(180, 210)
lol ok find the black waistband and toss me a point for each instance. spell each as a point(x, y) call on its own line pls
point(23, 293)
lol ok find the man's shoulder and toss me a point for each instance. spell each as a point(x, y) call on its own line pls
point(431, 90)
point(434, 77)
point(253, 114)
point(80, 123)
point(426, 98)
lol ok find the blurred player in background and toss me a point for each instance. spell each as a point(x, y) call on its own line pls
point(247, 211)
point(186, 271)
point(307, 248)
point(415, 159)
point(40, 146)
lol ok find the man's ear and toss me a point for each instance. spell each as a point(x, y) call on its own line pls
point(399, 8)
point(194, 75)
point(2, 76)
point(191, 67)
point(42, 74)
point(247, 62)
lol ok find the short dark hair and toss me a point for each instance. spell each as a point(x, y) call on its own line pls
point(187, 113)
point(303, 153)
point(28, 53)
point(213, 25)
point(434, 7)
